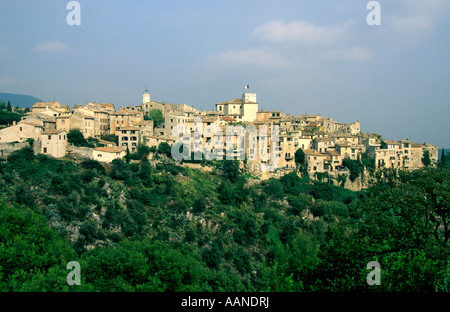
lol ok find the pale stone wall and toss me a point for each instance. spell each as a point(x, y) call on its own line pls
point(54, 144)
point(20, 133)
point(249, 112)
point(108, 157)
point(8, 148)
point(79, 151)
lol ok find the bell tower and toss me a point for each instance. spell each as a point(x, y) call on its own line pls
point(145, 96)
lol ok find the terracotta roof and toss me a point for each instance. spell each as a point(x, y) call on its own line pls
point(235, 101)
point(53, 132)
point(228, 119)
point(312, 152)
point(343, 144)
point(106, 142)
point(107, 105)
point(325, 139)
point(30, 123)
point(44, 104)
point(110, 149)
point(334, 153)
point(389, 142)
point(123, 112)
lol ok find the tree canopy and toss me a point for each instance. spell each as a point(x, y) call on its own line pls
point(156, 226)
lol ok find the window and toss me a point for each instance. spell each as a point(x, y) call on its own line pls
point(99, 155)
point(49, 137)
point(20, 128)
point(45, 150)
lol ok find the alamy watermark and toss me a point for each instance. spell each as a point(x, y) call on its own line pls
point(374, 16)
point(374, 276)
point(74, 16)
point(74, 276)
point(209, 142)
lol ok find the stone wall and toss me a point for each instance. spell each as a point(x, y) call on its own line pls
point(79, 151)
point(8, 148)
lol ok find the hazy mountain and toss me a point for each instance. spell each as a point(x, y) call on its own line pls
point(20, 100)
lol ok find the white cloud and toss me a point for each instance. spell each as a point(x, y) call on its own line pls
point(52, 46)
point(411, 24)
point(301, 31)
point(418, 16)
point(254, 56)
point(352, 54)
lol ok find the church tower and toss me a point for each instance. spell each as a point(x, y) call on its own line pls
point(146, 96)
point(249, 107)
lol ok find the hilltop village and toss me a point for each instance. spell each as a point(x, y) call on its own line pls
point(325, 143)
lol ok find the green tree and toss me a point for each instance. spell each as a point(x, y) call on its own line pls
point(300, 157)
point(76, 138)
point(405, 217)
point(7, 118)
point(231, 170)
point(354, 166)
point(110, 138)
point(292, 184)
point(120, 170)
point(426, 160)
point(157, 116)
point(93, 164)
point(274, 188)
point(199, 205)
point(145, 171)
point(8, 107)
point(443, 157)
point(33, 256)
point(164, 149)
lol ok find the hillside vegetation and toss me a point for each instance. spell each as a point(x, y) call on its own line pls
point(137, 227)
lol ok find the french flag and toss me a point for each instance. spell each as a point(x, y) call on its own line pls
point(246, 87)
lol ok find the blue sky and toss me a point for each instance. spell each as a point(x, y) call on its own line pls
point(315, 57)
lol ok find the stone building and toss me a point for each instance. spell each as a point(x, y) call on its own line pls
point(54, 143)
point(21, 131)
point(244, 109)
point(108, 153)
point(77, 120)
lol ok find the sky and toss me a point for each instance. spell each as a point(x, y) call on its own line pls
point(301, 57)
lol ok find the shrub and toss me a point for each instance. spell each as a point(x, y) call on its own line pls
point(93, 164)
point(76, 138)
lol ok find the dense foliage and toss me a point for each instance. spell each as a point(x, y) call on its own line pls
point(7, 118)
point(156, 115)
point(155, 226)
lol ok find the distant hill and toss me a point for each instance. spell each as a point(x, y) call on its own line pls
point(20, 100)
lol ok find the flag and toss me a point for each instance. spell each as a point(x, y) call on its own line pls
point(247, 87)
